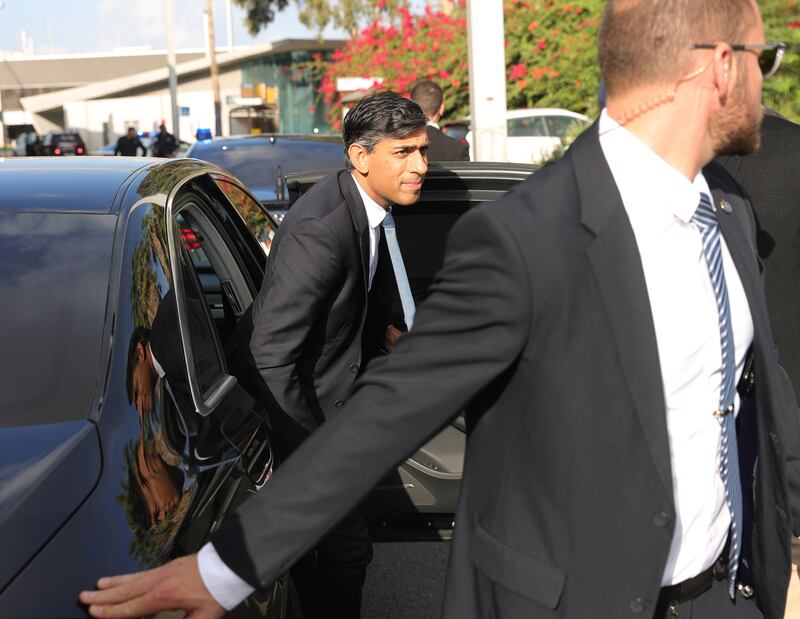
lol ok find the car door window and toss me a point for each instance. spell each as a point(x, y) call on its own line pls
point(251, 211)
point(561, 126)
point(216, 295)
point(530, 126)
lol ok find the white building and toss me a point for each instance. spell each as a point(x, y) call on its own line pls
point(263, 88)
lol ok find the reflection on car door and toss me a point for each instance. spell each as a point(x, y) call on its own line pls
point(214, 286)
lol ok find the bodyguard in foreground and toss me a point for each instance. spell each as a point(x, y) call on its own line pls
point(594, 323)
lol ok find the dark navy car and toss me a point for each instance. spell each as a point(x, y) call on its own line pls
point(123, 439)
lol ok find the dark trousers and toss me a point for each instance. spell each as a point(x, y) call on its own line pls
point(330, 578)
point(713, 604)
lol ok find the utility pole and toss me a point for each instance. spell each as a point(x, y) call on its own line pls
point(487, 79)
point(212, 55)
point(173, 75)
point(229, 13)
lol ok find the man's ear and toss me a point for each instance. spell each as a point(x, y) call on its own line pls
point(724, 71)
point(441, 110)
point(141, 353)
point(359, 158)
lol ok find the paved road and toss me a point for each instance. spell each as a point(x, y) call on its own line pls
point(405, 581)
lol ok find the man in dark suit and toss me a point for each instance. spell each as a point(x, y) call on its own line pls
point(771, 180)
point(442, 147)
point(316, 320)
point(593, 323)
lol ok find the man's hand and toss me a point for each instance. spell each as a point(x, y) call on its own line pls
point(392, 335)
point(176, 585)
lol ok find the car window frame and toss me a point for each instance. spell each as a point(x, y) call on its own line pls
point(225, 383)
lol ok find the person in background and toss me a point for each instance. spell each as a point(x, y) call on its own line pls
point(129, 144)
point(428, 95)
point(165, 144)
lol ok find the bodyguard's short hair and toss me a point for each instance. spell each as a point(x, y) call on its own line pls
point(644, 42)
point(429, 96)
point(378, 117)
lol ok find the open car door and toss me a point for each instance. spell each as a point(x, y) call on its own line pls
point(418, 501)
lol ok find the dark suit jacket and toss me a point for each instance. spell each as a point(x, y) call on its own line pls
point(539, 324)
point(771, 179)
point(444, 148)
point(306, 325)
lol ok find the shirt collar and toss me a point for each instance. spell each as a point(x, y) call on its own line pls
point(433, 124)
point(156, 365)
point(375, 212)
point(645, 180)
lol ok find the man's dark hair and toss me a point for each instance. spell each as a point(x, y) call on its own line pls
point(141, 335)
point(378, 117)
point(429, 96)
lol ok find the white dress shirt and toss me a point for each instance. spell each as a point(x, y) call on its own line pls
point(660, 202)
point(375, 215)
point(223, 583)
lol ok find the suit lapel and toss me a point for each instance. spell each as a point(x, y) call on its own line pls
point(616, 263)
point(360, 222)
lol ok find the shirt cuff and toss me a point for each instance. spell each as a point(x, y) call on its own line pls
point(222, 582)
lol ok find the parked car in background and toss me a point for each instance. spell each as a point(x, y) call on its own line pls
point(534, 135)
point(261, 161)
point(456, 129)
point(114, 456)
point(61, 143)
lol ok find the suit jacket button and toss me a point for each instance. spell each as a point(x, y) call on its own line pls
point(339, 403)
point(661, 519)
point(637, 605)
point(354, 369)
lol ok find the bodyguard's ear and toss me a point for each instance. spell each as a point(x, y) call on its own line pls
point(358, 157)
point(724, 70)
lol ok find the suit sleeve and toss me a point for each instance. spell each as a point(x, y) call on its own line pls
point(464, 155)
point(472, 327)
point(305, 268)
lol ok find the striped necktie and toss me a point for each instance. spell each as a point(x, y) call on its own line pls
point(706, 220)
point(403, 287)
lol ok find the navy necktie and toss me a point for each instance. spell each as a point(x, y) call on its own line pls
point(706, 220)
point(403, 287)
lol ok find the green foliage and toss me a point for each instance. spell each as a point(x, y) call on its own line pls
point(551, 58)
point(317, 14)
point(260, 13)
point(782, 23)
point(551, 55)
point(401, 51)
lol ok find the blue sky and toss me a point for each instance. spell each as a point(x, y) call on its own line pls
point(67, 26)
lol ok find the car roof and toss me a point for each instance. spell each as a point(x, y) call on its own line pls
point(64, 184)
point(268, 138)
point(525, 113)
point(542, 111)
